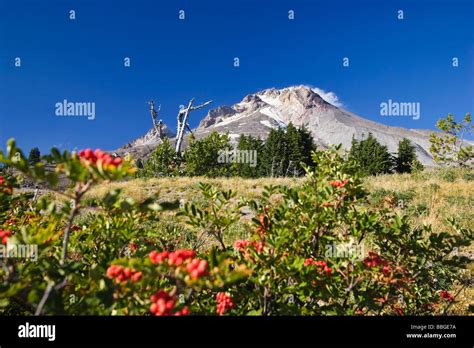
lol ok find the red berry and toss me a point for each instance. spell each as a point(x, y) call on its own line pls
point(127, 272)
point(88, 153)
point(154, 308)
point(136, 277)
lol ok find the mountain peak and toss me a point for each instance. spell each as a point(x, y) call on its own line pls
point(257, 113)
point(300, 94)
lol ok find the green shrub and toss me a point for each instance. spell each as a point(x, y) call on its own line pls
point(122, 259)
point(448, 175)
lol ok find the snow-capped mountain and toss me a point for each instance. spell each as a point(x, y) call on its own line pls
point(257, 113)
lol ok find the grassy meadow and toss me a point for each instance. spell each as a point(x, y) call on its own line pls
point(429, 197)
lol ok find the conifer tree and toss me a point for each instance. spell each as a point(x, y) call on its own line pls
point(406, 156)
point(161, 162)
point(293, 151)
point(274, 153)
point(252, 148)
point(307, 144)
point(372, 157)
point(202, 157)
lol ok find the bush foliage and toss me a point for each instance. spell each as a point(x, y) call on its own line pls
point(318, 249)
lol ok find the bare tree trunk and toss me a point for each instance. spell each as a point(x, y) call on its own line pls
point(182, 122)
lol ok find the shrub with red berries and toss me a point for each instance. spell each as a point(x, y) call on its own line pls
point(243, 246)
point(338, 183)
point(321, 266)
point(197, 268)
point(4, 236)
point(163, 304)
point(224, 303)
point(375, 260)
point(282, 267)
point(99, 158)
point(123, 274)
point(173, 258)
point(194, 266)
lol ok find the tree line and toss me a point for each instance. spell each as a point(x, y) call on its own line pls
point(284, 153)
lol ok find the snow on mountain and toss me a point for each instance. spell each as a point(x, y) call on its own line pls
point(257, 113)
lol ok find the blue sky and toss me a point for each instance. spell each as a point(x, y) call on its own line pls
point(174, 60)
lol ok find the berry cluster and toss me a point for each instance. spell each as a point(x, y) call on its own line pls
point(242, 245)
point(4, 235)
point(174, 258)
point(374, 260)
point(163, 305)
point(1, 180)
point(195, 266)
point(99, 157)
point(224, 302)
point(338, 183)
point(122, 274)
point(320, 265)
point(446, 295)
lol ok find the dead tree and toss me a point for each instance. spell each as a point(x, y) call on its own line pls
point(183, 122)
point(158, 126)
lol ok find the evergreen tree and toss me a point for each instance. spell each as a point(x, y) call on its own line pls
point(161, 162)
point(405, 157)
point(202, 157)
point(34, 156)
point(285, 151)
point(307, 144)
point(372, 157)
point(253, 147)
point(274, 154)
point(293, 151)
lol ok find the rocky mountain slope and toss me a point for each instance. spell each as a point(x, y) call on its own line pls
point(143, 145)
point(257, 113)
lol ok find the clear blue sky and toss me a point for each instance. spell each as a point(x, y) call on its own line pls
point(173, 60)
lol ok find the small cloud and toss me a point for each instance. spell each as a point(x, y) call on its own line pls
point(330, 97)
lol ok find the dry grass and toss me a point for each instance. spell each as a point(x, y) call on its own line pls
point(187, 188)
point(442, 198)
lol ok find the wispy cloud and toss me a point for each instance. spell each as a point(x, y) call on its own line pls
point(330, 97)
